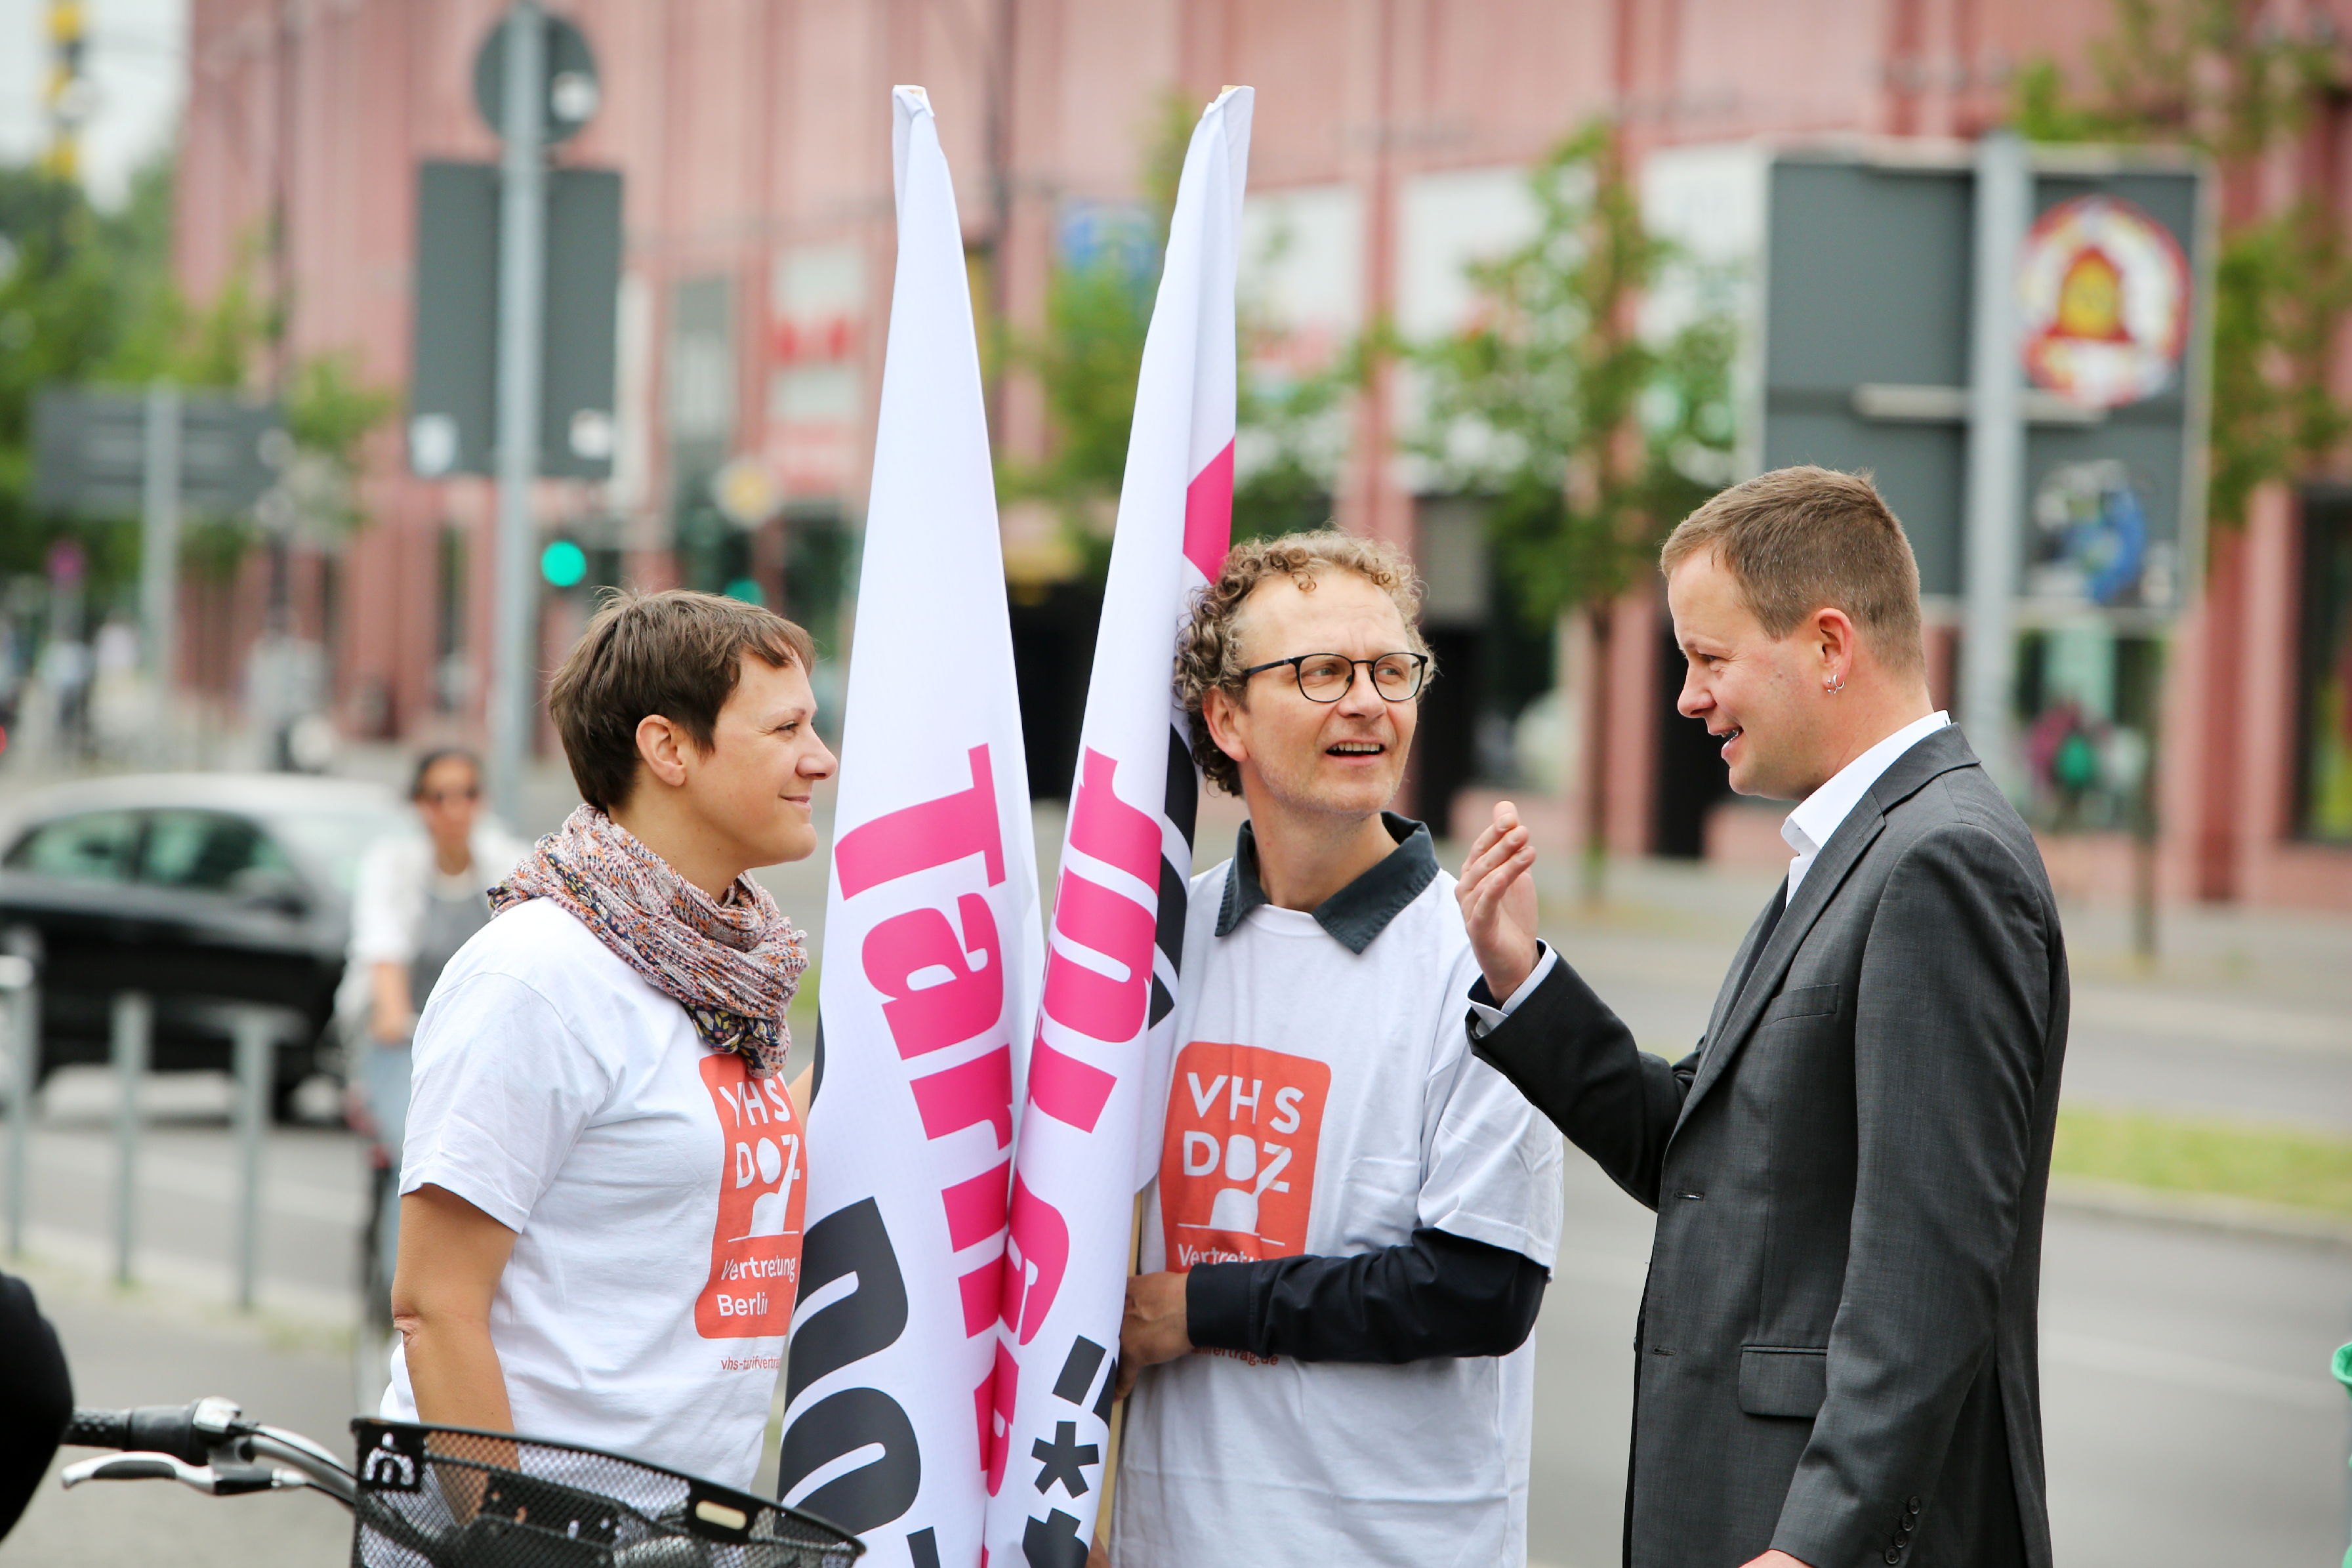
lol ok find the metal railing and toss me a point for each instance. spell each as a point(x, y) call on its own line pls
point(255, 1031)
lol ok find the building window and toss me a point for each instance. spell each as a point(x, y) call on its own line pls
point(2324, 710)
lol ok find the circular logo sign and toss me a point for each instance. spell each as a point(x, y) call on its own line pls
point(2105, 295)
point(2090, 543)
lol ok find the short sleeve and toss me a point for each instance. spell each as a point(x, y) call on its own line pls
point(501, 1090)
point(383, 922)
point(1493, 1163)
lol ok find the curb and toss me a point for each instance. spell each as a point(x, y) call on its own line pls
point(59, 1259)
point(2199, 1211)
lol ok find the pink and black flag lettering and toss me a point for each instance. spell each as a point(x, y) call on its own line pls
point(1119, 911)
point(932, 951)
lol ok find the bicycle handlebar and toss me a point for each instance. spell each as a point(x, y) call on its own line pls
point(206, 1443)
point(187, 1432)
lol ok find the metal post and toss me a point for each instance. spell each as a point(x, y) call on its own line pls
point(1996, 459)
point(159, 546)
point(523, 232)
point(16, 975)
point(257, 1038)
point(133, 1014)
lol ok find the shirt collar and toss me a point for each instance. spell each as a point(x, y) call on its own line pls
point(1357, 912)
point(1819, 815)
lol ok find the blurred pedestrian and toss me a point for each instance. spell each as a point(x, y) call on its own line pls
point(419, 896)
point(36, 1398)
point(602, 1181)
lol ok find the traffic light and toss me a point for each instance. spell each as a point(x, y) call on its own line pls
point(564, 563)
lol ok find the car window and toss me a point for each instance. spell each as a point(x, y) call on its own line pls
point(334, 840)
point(95, 846)
point(210, 851)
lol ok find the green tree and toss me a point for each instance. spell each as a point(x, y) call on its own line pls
point(1089, 353)
point(2218, 77)
point(1588, 437)
point(88, 297)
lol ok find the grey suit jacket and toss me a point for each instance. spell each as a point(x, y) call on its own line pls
point(1836, 1352)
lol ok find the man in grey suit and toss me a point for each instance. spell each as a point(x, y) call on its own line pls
point(1835, 1356)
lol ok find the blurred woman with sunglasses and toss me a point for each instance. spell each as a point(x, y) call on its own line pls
point(419, 897)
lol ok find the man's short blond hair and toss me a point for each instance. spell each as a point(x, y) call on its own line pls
point(1806, 538)
point(1208, 646)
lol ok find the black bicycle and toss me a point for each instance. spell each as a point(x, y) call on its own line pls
point(450, 1496)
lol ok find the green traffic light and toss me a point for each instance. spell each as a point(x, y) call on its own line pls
point(563, 563)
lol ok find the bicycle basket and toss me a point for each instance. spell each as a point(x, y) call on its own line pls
point(449, 1497)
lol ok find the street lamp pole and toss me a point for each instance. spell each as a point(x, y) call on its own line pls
point(522, 229)
point(1996, 458)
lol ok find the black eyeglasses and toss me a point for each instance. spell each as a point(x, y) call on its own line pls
point(1328, 676)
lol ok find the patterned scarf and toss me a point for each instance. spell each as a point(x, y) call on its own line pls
point(733, 966)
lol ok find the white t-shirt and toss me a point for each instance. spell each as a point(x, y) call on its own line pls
point(1325, 1101)
point(655, 1189)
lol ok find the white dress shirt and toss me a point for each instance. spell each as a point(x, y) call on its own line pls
point(1817, 815)
point(1808, 827)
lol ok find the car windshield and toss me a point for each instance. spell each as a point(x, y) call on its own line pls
point(334, 840)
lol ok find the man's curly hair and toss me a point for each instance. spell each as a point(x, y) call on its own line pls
point(1208, 646)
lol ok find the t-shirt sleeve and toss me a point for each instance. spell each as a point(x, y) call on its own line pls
point(383, 925)
point(1492, 1162)
point(501, 1091)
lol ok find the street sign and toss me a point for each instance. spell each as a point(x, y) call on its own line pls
point(2106, 292)
point(91, 451)
point(1866, 328)
point(2012, 339)
point(453, 381)
point(158, 453)
point(573, 94)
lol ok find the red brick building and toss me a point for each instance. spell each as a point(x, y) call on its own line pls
point(754, 138)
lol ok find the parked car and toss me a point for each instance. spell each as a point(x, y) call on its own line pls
point(200, 889)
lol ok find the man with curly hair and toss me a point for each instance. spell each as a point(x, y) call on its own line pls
point(1353, 1218)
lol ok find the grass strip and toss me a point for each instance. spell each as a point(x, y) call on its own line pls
point(2302, 1167)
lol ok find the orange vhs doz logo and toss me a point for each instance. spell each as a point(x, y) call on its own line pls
point(755, 1241)
point(1237, 1166)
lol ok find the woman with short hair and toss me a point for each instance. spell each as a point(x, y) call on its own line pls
point(604, 1177)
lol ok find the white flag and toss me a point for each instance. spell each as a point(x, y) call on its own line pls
point(1118, 913)
point(931, 949)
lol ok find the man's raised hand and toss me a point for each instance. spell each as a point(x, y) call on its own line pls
point(1499, 901)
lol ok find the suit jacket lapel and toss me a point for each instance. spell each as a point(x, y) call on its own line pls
point(1736, 1014)
point(1739, 1013)
point(1731, 987)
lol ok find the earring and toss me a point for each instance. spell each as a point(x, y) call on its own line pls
point(1834, 688)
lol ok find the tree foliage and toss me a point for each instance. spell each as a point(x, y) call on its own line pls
point(88, 297)
point(1089, 353)
point(1590, 435)
point(2217, 77)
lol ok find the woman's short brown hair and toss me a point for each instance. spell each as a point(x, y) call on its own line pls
point(1208, 650)
point(676, 653)
point(1804, 539)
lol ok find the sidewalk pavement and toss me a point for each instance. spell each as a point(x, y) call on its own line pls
point(166, 1346)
